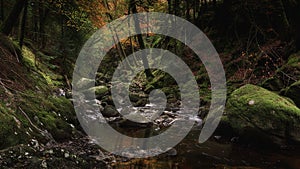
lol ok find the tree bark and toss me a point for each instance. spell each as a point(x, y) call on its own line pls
point(2, 10)
point(43, 12)
point(8, 24)
point(170, 6)
point(23, 24)
point(281, 21)
point(140, 38)
point(214, 3)
point(188, 10)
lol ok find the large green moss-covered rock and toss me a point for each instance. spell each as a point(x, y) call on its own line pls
point(262, 114)
point(99, 91)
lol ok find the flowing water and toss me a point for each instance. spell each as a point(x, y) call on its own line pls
point(215, 153)
point(189, 154)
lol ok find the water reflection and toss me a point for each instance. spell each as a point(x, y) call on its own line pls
point(212, 154)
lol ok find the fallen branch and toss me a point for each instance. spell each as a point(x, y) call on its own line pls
point(43, 132)
point(4, 87)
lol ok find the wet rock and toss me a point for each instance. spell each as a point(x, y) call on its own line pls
point(268, 118)
point(131, 124)
point(134, 120)
point(134, 97)
point(107, 99)
point(110, 111)
point(85, 83)
point(99, 91)
point(140, 103)
point(172, 152)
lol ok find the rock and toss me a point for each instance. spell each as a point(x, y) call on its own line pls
point(99, 91)
point(110, 111)
point(268, 118)
point(293, 92)
point(140, 103)
point(134, 97)
point(131, 124)
point(68, 94)
point(134, 120)
point(285, 75)
point(273, 84)
point(107, 99)
point(85, 83)
point(172, 152)
point(292, 67)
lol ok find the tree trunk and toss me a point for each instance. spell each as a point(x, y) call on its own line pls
point(23, 24)
point(176, 7)
point(34, 19)
point(140, 38)
point(2, 10)
point(170, 6)
point(214, 3)
point(8, 24)
point(188, 10)
point(43, 12)
point(281, 22)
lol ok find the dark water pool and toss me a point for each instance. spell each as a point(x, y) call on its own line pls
point(214, 154)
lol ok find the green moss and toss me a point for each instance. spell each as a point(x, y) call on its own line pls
point(294, 60)
point(28, 57)
point(55, 113)
point(293, 92)
point(23, 114)
point(291, 68)
point(12, 131)
point(273, 84)
point(59, 129)
point(255, 107)
point(40, 64)
point(99, 91)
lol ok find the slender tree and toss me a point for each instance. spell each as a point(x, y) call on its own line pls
point(22, 30)
point(8, 24)
point(1, 10)
point(43, 13)
point(133, 8)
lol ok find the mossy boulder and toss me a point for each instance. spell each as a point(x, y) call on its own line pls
point(161, 79)
point(293, 92)
point(85, 83)
point(285, 75)
point(110, 111)
point(134, 97)
point(292, 67)
point(273, 84)
point(257, 113)
point(99, 92)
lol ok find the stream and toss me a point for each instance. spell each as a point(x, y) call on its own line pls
point(217, 153)
point(189, 154)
